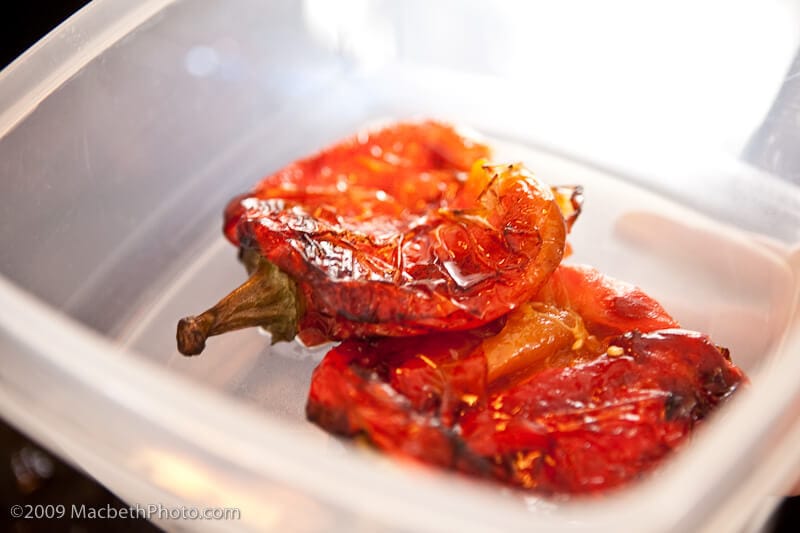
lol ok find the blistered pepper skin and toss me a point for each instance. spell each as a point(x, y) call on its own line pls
point(399, 232)
point(600, 424)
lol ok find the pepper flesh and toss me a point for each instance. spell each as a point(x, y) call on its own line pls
point(582, 416)
point(570, 320)
point(400, 231)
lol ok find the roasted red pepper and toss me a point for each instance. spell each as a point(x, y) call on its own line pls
point(578, 391)
point(400, 231)
point(465, 343)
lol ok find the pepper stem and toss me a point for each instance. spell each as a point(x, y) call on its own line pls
point(267, 299)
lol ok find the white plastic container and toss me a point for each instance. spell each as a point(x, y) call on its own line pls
point(126, 130)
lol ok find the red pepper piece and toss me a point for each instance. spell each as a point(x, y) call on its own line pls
point(608, 306)
point(384, 235)
point(399, 231)
point(597, 425)
point(387, 390)
point(583, 416)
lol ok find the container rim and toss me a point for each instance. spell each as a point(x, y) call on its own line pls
point(122, 377)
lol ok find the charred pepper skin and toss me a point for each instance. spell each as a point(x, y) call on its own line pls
point(400, 231)
point(584, 417)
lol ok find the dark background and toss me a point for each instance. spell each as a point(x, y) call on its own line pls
point(29, 475)
point(24, 23)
